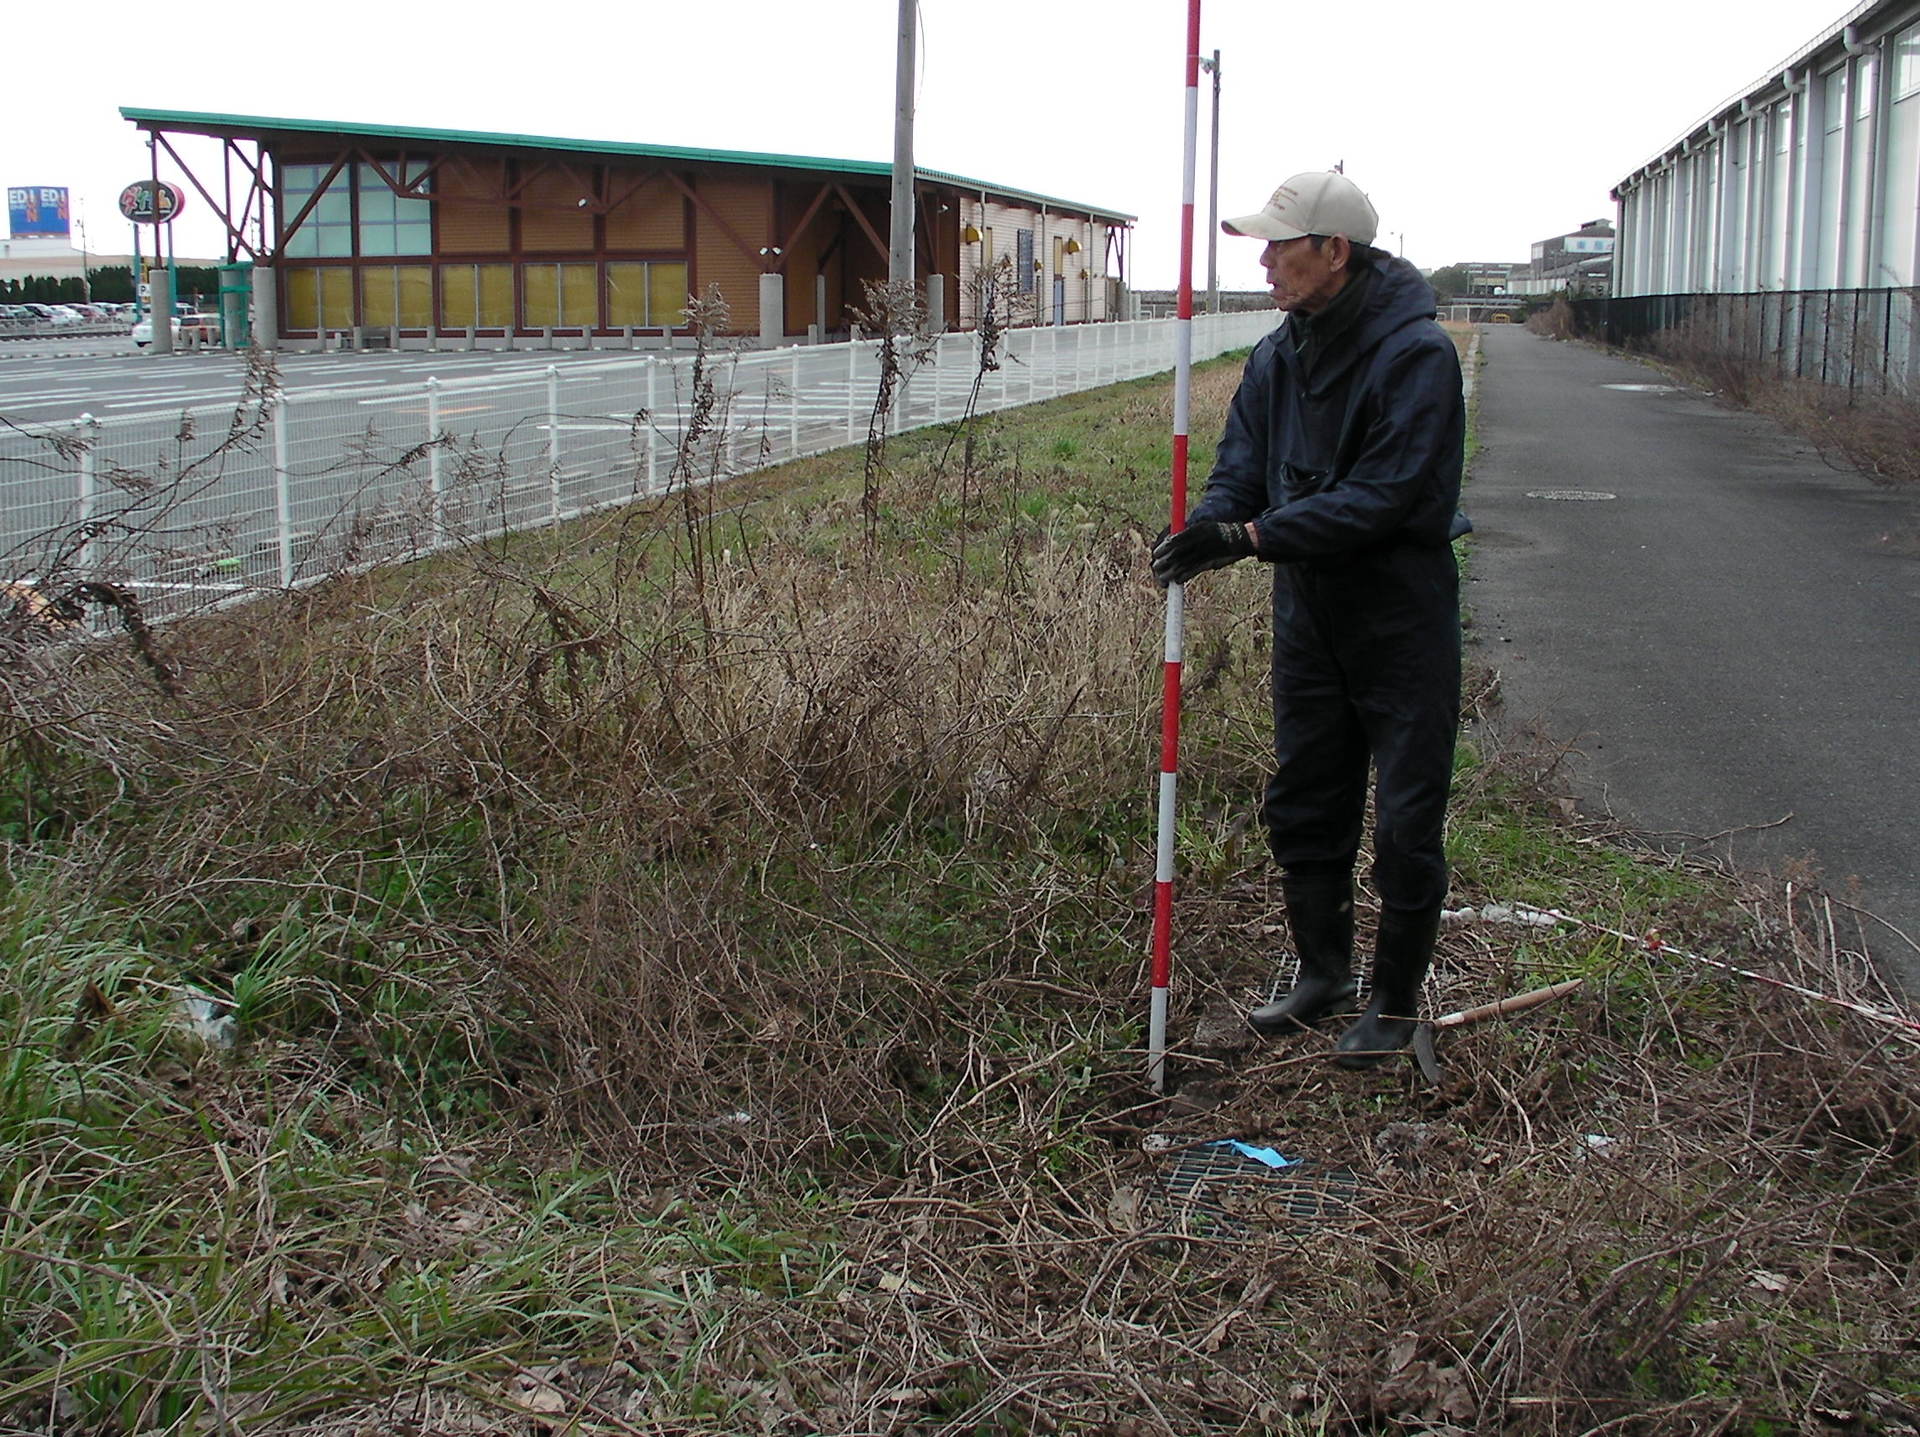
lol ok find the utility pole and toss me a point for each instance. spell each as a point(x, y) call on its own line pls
point(1213, 192)
point(900, 249)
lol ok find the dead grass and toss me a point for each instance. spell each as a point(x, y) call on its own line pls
point(681, 1012)
point(1872, 425)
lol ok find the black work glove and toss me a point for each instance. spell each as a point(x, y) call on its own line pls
point(1198, 548)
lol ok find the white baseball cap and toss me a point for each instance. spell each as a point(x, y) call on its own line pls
point(1317, 202)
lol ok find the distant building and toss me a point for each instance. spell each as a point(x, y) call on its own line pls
point(1486, 279)
point(1579, 263)
point(418, 234)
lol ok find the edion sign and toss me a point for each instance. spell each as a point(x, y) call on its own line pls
point(146, 202)
point(37, 210)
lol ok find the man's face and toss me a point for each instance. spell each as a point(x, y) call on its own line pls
point(1301, 276)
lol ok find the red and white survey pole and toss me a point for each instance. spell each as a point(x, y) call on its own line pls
point(1176, 598)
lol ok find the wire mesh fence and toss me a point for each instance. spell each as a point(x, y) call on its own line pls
point(274, 488)
point(1855, 339)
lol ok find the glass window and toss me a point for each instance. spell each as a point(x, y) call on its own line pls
point(413, 236)
point(377, 295)
point(327, 229)
point(627, 296)
point(1833, 98)
point(1865, 73)
point(540, 300)
point(414, 283)
point(496, 295)
point(667, 295)
point(303, 299)
point(1023, 259)
point(1906, 62)
point(639, 296)
point(579, 297)
point(376, 200)
point(336, 298)
point(457, 289)
point(391, 223)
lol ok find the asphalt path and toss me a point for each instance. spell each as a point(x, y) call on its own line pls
point(1728, 641)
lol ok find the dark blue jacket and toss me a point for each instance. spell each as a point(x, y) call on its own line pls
point(1361, 450)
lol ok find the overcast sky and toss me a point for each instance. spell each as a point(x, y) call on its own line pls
point(1477, 129)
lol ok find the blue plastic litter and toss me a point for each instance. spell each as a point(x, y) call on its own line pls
point(1270, 1156)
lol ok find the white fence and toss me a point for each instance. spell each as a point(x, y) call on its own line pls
point(266, 492)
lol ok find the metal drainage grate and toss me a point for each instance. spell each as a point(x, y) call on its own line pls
point(1644, 388)
point(1578, 496)
point(1218, 1186)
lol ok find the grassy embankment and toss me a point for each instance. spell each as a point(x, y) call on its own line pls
point(687, 976)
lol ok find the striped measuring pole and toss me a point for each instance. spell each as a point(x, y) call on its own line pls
point(1162, 975)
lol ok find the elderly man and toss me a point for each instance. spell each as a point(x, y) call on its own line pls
point(1340, 466)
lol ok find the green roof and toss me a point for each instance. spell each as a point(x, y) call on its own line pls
point(193, 121)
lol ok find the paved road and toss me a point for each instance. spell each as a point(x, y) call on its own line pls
point(1731, 642)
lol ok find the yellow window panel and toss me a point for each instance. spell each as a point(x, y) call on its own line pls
point(456, 296)
point(666, 295)
point(541, 301)
point(627, 295)
point(579, 297)
point(336, 298)
point(496, 295)
point(303, 299)
point(376, 295)
point(415, 285)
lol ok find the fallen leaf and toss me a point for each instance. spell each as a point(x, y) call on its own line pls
point(1401, 1351)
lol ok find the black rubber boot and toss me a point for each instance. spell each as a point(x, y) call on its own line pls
point(1402, 953)
point(1320, 913)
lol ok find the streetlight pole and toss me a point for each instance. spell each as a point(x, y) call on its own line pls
point(1213, 192)
point(900, 249)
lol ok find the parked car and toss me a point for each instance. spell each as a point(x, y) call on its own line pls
point(188, 328)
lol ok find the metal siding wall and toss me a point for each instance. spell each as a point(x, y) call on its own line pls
point(744, 206)
point(1739, 195)
point(1778, 223)
point(477, 225)
point(653, 218)
point(1826, 166)
point(550, 215)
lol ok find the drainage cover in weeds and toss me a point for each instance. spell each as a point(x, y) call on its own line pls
point(1238, 1186)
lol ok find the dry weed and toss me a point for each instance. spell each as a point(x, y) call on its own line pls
point(811, 908)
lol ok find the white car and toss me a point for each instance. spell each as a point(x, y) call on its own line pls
point(195, 328)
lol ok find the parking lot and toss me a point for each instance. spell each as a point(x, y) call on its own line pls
point(54, 378)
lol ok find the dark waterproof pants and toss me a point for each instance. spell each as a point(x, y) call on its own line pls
point(1366, 668)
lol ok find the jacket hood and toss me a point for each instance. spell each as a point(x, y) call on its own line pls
point(1397, 297)
point(1400, 297)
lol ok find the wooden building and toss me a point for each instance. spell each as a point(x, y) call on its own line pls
point(431, 234)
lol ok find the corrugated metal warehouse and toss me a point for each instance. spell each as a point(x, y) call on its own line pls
point(1810, 180)
point(421, 235)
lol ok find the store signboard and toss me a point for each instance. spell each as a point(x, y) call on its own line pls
point(147, 203)
point(38, 210)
